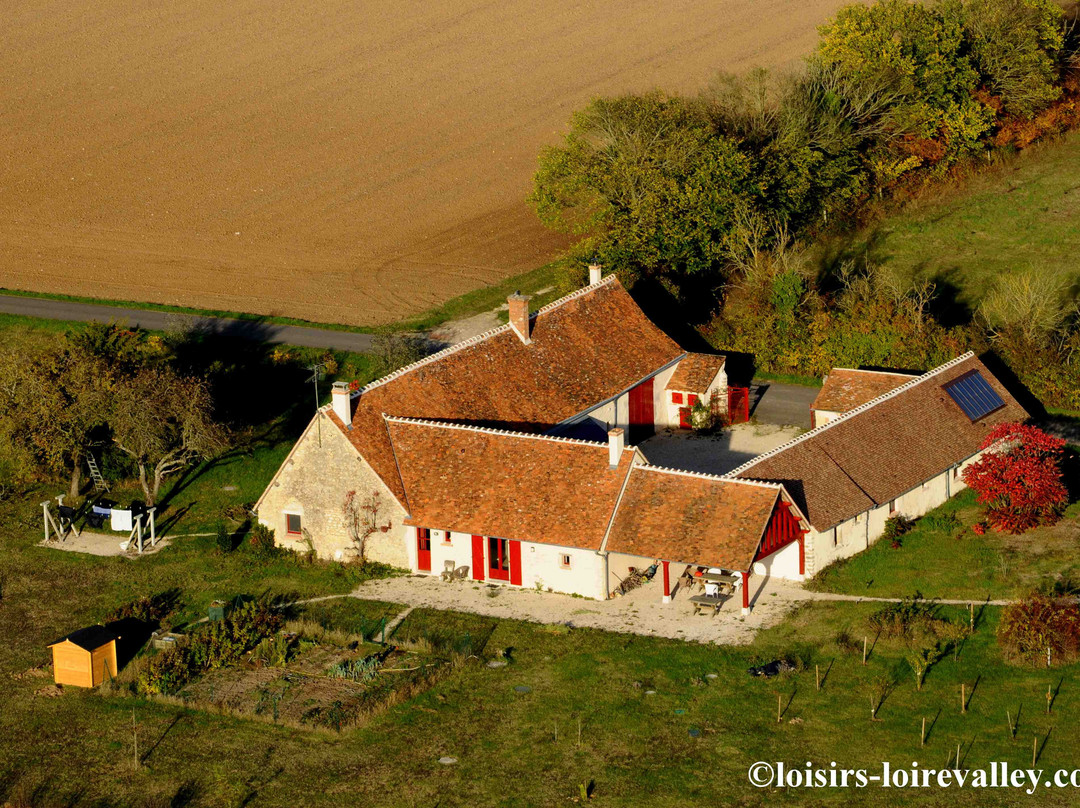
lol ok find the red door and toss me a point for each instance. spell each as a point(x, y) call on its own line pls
point(423, 549)
point(478, 558)
point(641, 412)
point(498, 559)
point(738, 405)
point(515, 563)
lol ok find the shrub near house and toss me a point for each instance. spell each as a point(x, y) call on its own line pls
point(1018, 478)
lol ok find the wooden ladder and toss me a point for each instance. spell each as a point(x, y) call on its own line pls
point(95, 474)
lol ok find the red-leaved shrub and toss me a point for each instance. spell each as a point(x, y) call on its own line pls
point(1018, 479)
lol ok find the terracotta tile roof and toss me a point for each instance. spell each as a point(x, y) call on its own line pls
point(510, 485)
point(586, 348)
point(691, 518)
point(845, 389)
point(696, 372)
point(882, 449)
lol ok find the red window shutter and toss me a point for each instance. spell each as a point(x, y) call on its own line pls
point(676, 398)
point(515, 563)
point(478, 558)
point(691, 399)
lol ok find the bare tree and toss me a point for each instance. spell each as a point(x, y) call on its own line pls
point(1031, 302)
point(362, 517)
point(165, 423)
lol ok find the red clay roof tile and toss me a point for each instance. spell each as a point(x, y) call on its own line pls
point(691, 518)
point(695, 373)
point(514, 486)
point(586, 348)
point(845, 389)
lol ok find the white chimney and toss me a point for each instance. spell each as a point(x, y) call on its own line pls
point(519, 315)
point(616, 442)
point(341, 396)
point(595, 273)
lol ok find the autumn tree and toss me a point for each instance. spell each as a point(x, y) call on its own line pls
point(164, 422)
point(60, 400)
point(1018, 478)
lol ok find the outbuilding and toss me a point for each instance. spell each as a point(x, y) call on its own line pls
point(85, 657)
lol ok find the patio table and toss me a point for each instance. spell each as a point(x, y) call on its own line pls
point(706, 602)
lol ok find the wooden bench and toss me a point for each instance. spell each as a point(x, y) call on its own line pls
point(704, 603)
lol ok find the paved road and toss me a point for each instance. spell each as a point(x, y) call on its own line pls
point(784, 404)
point(162, 320)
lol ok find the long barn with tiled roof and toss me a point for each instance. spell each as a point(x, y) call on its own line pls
point(902, 452)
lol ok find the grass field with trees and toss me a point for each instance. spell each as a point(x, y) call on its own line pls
point(745, 204)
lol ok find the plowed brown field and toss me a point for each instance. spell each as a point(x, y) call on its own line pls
point(339, 161)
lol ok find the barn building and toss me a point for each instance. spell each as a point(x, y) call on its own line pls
point(901, 452)
point(844, 389)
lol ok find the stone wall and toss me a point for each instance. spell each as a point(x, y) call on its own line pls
point(313, 483)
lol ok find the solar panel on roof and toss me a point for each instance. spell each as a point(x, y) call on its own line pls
point(974, 395)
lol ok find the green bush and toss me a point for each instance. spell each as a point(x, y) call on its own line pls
point(212, 645)
point(223, 539)
point(261, 541)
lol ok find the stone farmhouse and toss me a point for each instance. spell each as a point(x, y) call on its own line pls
point(515, 454)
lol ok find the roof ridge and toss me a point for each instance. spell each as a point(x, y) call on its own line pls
point(478, 338)
point(554, 304)
point(704, 475)
point(852, 413)
point(487, 430)
point(879, 372)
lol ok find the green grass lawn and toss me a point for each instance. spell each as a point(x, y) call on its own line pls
point(587, 715)
point(1019, 214)
point(943, 558)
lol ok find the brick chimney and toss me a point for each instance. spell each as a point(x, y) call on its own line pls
point(341, 398)
point(519, 315)
point(595, 274)
point(616, 442)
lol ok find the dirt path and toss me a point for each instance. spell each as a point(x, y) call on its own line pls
point(333, 161)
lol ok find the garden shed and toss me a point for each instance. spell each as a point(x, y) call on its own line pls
point(85, 657)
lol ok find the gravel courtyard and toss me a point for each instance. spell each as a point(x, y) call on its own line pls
point(641, 611)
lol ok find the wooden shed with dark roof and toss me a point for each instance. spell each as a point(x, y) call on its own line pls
point(85, 658)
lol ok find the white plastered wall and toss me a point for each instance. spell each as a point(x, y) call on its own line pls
point(858, 533)
point(784, 563)
point(540, 563)
point(670, 411)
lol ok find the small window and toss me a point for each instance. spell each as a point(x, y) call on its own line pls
point(564, 561)
point(892, 506)
point(691, 399)
point(956, 473)
point(676, 398)
point(446, 539)
point(292, 524)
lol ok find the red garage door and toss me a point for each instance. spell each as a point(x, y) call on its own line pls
point(641, 412)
